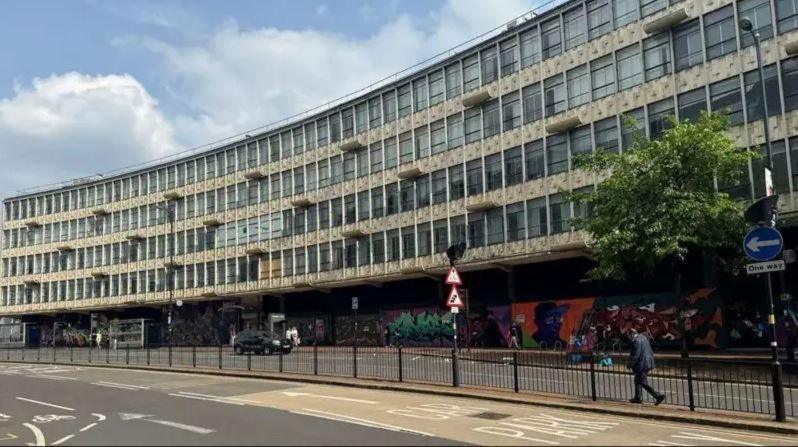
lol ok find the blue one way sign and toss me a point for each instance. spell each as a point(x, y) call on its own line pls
point(763, 243)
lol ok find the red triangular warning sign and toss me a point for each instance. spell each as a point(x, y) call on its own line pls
point(453, 277)
point(454, 298)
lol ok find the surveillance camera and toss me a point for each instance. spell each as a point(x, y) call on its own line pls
point(746, 24)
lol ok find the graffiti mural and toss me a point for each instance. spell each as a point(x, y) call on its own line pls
point(432, 326)
point(369, 330)
point(549, 323)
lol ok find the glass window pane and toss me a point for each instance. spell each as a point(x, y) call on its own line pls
point(720, 32)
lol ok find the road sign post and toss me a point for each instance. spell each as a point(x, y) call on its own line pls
point(763, 244)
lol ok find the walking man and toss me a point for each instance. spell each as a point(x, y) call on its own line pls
point(641, 361)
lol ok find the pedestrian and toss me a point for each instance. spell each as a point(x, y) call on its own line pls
point(513, 339)
point(790, 333)
point(99, 339)
point(641, 361)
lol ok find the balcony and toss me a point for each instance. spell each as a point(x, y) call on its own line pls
point(255, 251)
point(99, 274)
point(475, 98)
point(353, 232)
point(65, 248)
point(135, 237)
point(791, 47)
point(254, 175)
point(211, 222)
point(481, 205)
point(665, 22)
point(351, 144)
point(172, 265)
point(563, 124)
point(33, 224)
point(31, 282)
point(100, 212)
point(410, 172)
point(301, 202)
point(172, 195)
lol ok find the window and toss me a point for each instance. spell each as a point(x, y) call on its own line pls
point(377, 203)
point(310, 137)
point(458, 229)
point(493, 171)
point(422, 142)
point(789, 79)
point(473, 125)
point(625, 12)
point(406, 147)
point(633, 123)
point(376, 157)
point(474, 177)
point(753, 93)
point(470, 73)
point(533, 104)
point(657, 114)
point(758, 12)
point(337, 169)
point(378, 244)
point(794, 161)
point(602, 73)
point(491, 119)
point(439, 186)
point(630, 67)
point(420, 94)
point(720, 32)
point(511, 111)
point(554, 91)
point(389, 106)
point(581, 140)
point(787, 15)
point(350, 209)
point(405, 100)
point(725, 96)
point(574, 27)
point(391, 198)
point(495, 221)
point(454, 80)
point(687, 47)
point(781, 180)
point(321, 132)
point(424, 239)
point(436, 88)
point(534, 160)
point(648, 7)
point(516, 224)
point(692, 103)
point(324, 173)
point(560, 214)
point(606, 134)
point(578, 86)
point(392, 239)
point(513, 166)
point(454, 124)
point(347, 124)
point(375, 112)
point(456, 183)
point(530, 47)
point(390, 152)
point(657, 56)
point(422, 191)
point(408, 242)
point(599, 18)
point(476, 229)
point(509, 56)
point(440, 234)
point(550, 37)
point(557, 153)
point(438, 136)
point(361, 118)
point(490, 68)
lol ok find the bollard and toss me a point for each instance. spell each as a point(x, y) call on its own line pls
point(400, 362)
point(515, 371)
point(455, 368)
point(778, 392)
point(593, 377)
point(220, 355)
point(315, 359)
point(194, 356)
point(690, 394)
point(354, 361)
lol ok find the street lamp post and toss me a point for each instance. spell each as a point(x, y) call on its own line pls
point(170, 213)
point(778, 394)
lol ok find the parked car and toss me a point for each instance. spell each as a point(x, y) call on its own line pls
point(260, 342)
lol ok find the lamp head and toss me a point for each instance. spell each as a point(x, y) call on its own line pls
point(746, 24)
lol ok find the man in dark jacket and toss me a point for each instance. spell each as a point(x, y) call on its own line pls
point(641, 361)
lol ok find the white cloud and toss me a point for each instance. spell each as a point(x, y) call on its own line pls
point(69, 125)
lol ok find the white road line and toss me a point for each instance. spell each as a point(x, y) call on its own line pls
point(98, 416)
point(37, 433)
point(89, 427)
point(42, 376)
point(357, 421)
point(124, 384)
point(64, 439)
point(320, 396)
point(207, 399)
point(703, 437)
point(45, 404)
point(107, 385)
point(236, 399)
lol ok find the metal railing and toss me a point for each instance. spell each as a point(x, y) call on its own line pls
point(744, 386)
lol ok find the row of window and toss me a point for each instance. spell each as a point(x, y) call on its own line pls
point(550, 38)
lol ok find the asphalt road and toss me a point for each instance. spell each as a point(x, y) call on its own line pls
point(731, 387)
point(67, 405)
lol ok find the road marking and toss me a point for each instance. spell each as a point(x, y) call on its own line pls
point(703, 437)
point(45, 404)
point(4, 417)
point(10, 436)
point(119, 387)
point(509, 432)
point(41, 376)
point(178, 425)
point(64, 439)
point(89, 427)
point(321, 396)
point(44, 419)
point(207, 399)
point(98, 416)
point(220, 398)
point(37, 433)
point(124, 384)
point(357, 421)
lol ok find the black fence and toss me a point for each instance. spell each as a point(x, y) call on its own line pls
point(745, 386)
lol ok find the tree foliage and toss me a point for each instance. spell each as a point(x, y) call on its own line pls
point(659, 201)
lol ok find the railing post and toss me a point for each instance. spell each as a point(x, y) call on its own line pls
point(778, 392)
point(220, 355)
point(127, 354)
point(194, 356)
point(108, 353)
point(23, 353)
point(399, 350)
point(593, 394)
point(39, 353)
point(170, 353)
point(54, 354)
point(148, 355)
point(315, 359)
point(281, 359)
point(455, 368)
point(90, 352)
point(354, 361)
point(71, 354)
point(249, 361)
point(515, 371)
point(690, 394)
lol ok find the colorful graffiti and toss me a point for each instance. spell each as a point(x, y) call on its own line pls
point(369, 330)
point(432, 326)
point(607, 320)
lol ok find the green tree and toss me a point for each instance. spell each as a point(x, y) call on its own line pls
point(658, 202)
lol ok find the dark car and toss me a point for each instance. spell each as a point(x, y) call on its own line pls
point(260, 342)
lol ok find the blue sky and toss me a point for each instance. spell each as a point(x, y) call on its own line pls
point(88, 86)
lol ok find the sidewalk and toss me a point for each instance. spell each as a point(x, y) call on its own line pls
point(716, 418)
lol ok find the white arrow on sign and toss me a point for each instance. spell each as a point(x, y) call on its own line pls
point(755, 244)
point(320, 396)
point(144, 417)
